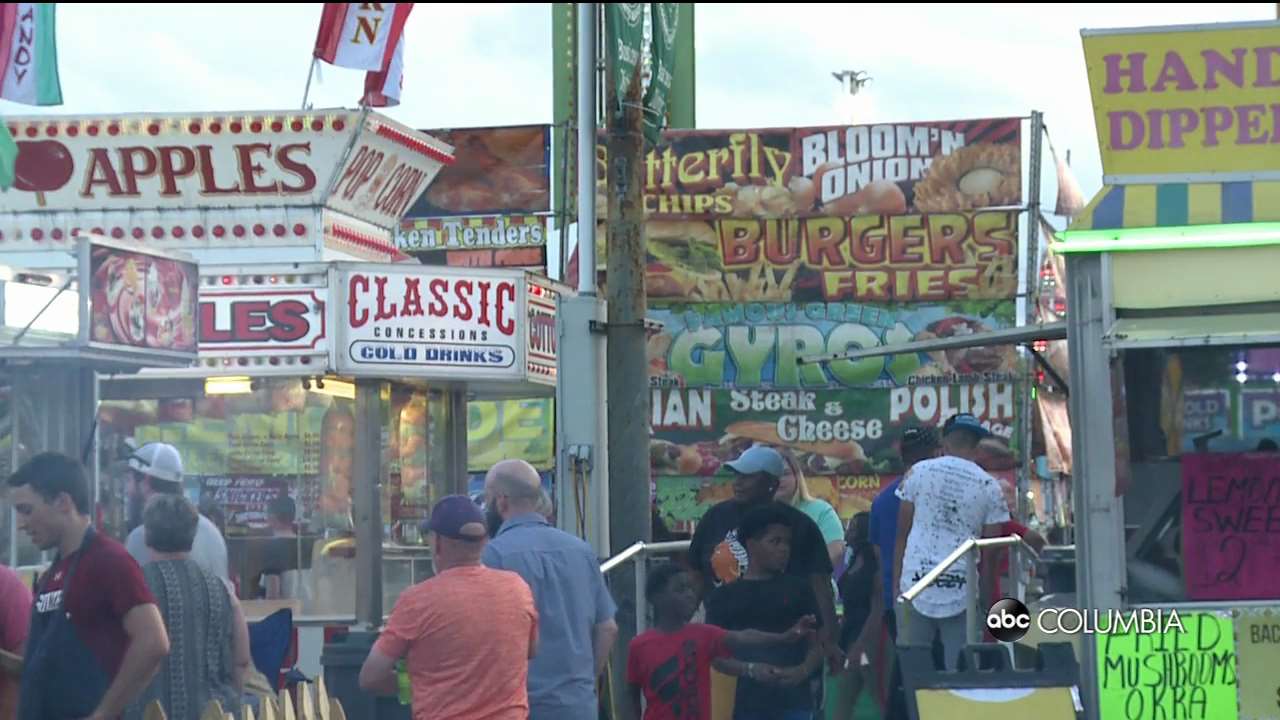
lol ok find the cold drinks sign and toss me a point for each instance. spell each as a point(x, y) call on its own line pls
point(431, 322)
point(1183, 104)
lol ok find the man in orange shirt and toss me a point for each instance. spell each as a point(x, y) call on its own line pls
point(468, 627)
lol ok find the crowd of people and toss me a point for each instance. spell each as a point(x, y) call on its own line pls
point(517, 620)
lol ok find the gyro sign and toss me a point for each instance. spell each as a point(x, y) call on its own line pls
point(431, 322)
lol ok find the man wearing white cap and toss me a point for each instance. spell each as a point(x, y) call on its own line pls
point(156, 469)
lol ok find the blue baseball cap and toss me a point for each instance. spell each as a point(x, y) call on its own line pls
point(457, 517)
point(758, 459)
point(965, 421)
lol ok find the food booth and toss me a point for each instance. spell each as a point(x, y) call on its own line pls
point(1170, 276)
point(331, 370)
point(117, 308)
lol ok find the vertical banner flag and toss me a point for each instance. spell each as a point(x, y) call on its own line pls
point(624, 32)
point(360, 36)
point(666, 28)
point(29, 54)
point(382, 89)
point(8, 156)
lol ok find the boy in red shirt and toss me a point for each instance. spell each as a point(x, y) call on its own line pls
point(670, 665)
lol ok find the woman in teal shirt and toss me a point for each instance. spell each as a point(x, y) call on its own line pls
point(794, 491)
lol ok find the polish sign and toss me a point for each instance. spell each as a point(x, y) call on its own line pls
point(431, 322)
point(1186, 103)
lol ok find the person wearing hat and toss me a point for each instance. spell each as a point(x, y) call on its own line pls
point(945, 501)
point(466, 633)
point(156, 469)
point(719, 558)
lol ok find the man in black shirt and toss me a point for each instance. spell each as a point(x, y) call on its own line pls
point(718, 557)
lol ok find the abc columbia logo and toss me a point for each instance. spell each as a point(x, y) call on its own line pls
point(1009, 620)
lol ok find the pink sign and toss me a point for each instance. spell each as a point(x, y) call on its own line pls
point(1231, 525)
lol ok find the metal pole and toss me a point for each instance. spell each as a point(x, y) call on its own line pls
point(306, 94)
point(586, 149)
point(1031, 297)
point(628, 369)
point(971, 584)
point(642, 605)
point(367, 501)
point(1099, 524)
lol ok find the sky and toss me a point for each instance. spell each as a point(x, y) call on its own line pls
point(758, 65)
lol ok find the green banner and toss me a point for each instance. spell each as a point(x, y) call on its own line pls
point(749, 345)
point(681, 106)
point(499, 430)
point(624, 46)
point(564, 93)
point(666, 32)
point(280, 443)
point(1176, 672)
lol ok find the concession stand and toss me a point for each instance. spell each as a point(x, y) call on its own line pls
point(1170, 276)
point(326, 408)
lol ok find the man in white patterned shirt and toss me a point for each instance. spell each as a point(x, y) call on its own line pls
point(945, 501)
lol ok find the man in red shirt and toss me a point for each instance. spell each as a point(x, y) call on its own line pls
point(96, 636)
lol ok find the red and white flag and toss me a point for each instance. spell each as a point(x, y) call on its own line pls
point(382, 89)
point(361, 36)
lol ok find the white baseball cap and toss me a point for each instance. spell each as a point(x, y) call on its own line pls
point(158, 460)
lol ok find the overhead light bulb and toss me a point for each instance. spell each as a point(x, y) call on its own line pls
point(1276, 377)
point(1242, 366)
point(1242, 378)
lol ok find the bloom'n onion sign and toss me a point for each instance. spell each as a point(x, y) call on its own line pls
point(456, 325)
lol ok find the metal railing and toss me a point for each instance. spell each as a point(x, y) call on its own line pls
point(640, 552)
point(969, 550)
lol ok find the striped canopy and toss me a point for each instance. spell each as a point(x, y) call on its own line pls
point(1180, 204)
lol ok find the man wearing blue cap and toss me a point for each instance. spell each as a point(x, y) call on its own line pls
point(719, 558)
point(467, 628)
point(945, 501)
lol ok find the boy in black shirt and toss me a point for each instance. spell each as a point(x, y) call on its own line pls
point(768, 600)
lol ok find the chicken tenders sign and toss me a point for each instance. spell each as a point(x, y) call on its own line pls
point(457, 325)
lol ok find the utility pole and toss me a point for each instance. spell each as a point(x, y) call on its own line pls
point(628, 367)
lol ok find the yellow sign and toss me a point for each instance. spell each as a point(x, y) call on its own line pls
point(1258, 656)
point(1046, 703)
point(1187, 104)
point(521, 429)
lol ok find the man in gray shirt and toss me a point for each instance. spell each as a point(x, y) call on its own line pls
point(575, 611)
point(156, 469)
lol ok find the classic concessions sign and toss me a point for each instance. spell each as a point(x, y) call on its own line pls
point(362, 164)
point(401, 320)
